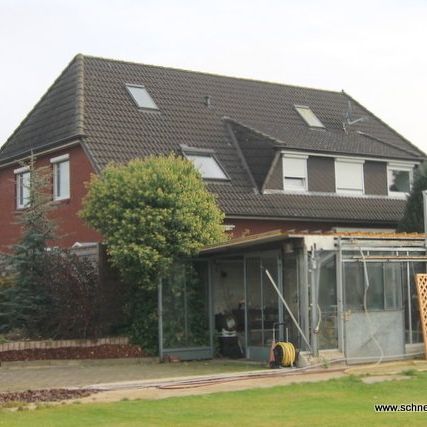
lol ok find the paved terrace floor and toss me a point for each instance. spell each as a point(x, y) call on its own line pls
point(18, 376)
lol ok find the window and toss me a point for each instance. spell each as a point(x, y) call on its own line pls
point(22, 187)
point(61, 177)
point(141, 97)
point(399, 179)
point(294, 172)
point(308, 116)
point(207, 165)
point(349, 176)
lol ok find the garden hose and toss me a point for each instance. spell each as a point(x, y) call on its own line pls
point(287, 353)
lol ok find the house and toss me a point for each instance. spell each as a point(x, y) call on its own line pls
point(302, 174)
point(277, 156)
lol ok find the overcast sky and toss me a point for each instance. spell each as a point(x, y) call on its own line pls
point(374, 50)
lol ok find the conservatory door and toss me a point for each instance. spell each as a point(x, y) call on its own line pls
point(262, 304)
point(184, 319)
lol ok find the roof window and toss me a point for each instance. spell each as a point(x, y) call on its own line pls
point(309, 117)
point(205, 162)
point(141, 97)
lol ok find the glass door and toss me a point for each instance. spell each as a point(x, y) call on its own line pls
point(262, 304)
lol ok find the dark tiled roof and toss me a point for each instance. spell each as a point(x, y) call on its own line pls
point(58, 116)
point(90, 99)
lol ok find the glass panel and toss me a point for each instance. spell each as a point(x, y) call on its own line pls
point(294, 183)
point(254, 301)
point(290, 293)
point(393, 283)
point(353, 285)
point(270, 306)
point(23, 183)
point(375, 295)
point(185, 306)
point(62, 177)
point(141, 97)
point(309, 117)
point(327, 299)
point(229, 296)
point(262, 300)
point(207, 166)
point(399, 181)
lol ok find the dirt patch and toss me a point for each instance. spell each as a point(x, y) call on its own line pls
point(382, 378)
point(53, 395)
point(162, 392)
point(105, 351)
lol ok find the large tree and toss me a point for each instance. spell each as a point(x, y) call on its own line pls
point(413, 218)
point(151, 213)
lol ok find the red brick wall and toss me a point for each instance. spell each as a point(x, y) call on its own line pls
point(70, 227)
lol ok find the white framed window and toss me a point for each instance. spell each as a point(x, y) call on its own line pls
point(207, 165)
point(399, 179)
point(141, 97)
point(61, 177)
point(349, 176)
point(23, 180)
point(294, 172)
point(308, 116)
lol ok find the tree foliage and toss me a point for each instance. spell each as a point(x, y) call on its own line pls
point(151, 213)
point(47, 293)
point(413, 218)
point(26, 304)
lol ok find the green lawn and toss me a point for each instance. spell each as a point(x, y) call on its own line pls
point(343, 402)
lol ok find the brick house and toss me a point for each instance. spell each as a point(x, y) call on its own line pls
point(277, 156)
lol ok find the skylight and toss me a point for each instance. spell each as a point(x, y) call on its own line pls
point(141, 97)
point(207, 165)
point(308, 116)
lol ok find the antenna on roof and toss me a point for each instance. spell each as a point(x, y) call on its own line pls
point(349, 120)
point(208, 101)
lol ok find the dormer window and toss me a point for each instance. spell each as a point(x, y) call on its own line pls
point(205, 162)
point(309, 117)
point(141, 97)
point(399, 179)
point(294, 172)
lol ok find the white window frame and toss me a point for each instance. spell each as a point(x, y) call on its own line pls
point(318, 125)
point(19, 173)
point(403, 168)
point(350, 160)
point(305, 177)
point(189, 152)
point(56, 161)
point(152, 104)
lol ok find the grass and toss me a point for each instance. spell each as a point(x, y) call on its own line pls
point(345, 401)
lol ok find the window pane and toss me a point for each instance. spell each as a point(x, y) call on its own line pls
point(309, 117)
point(354, 283)
point(62, 180)
point(23, 189)
point(393, 284)
point(399, 181)
point(141, 97)
point(349, 176)
point(207, 166)
point(375, 295)
point(294, 183)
